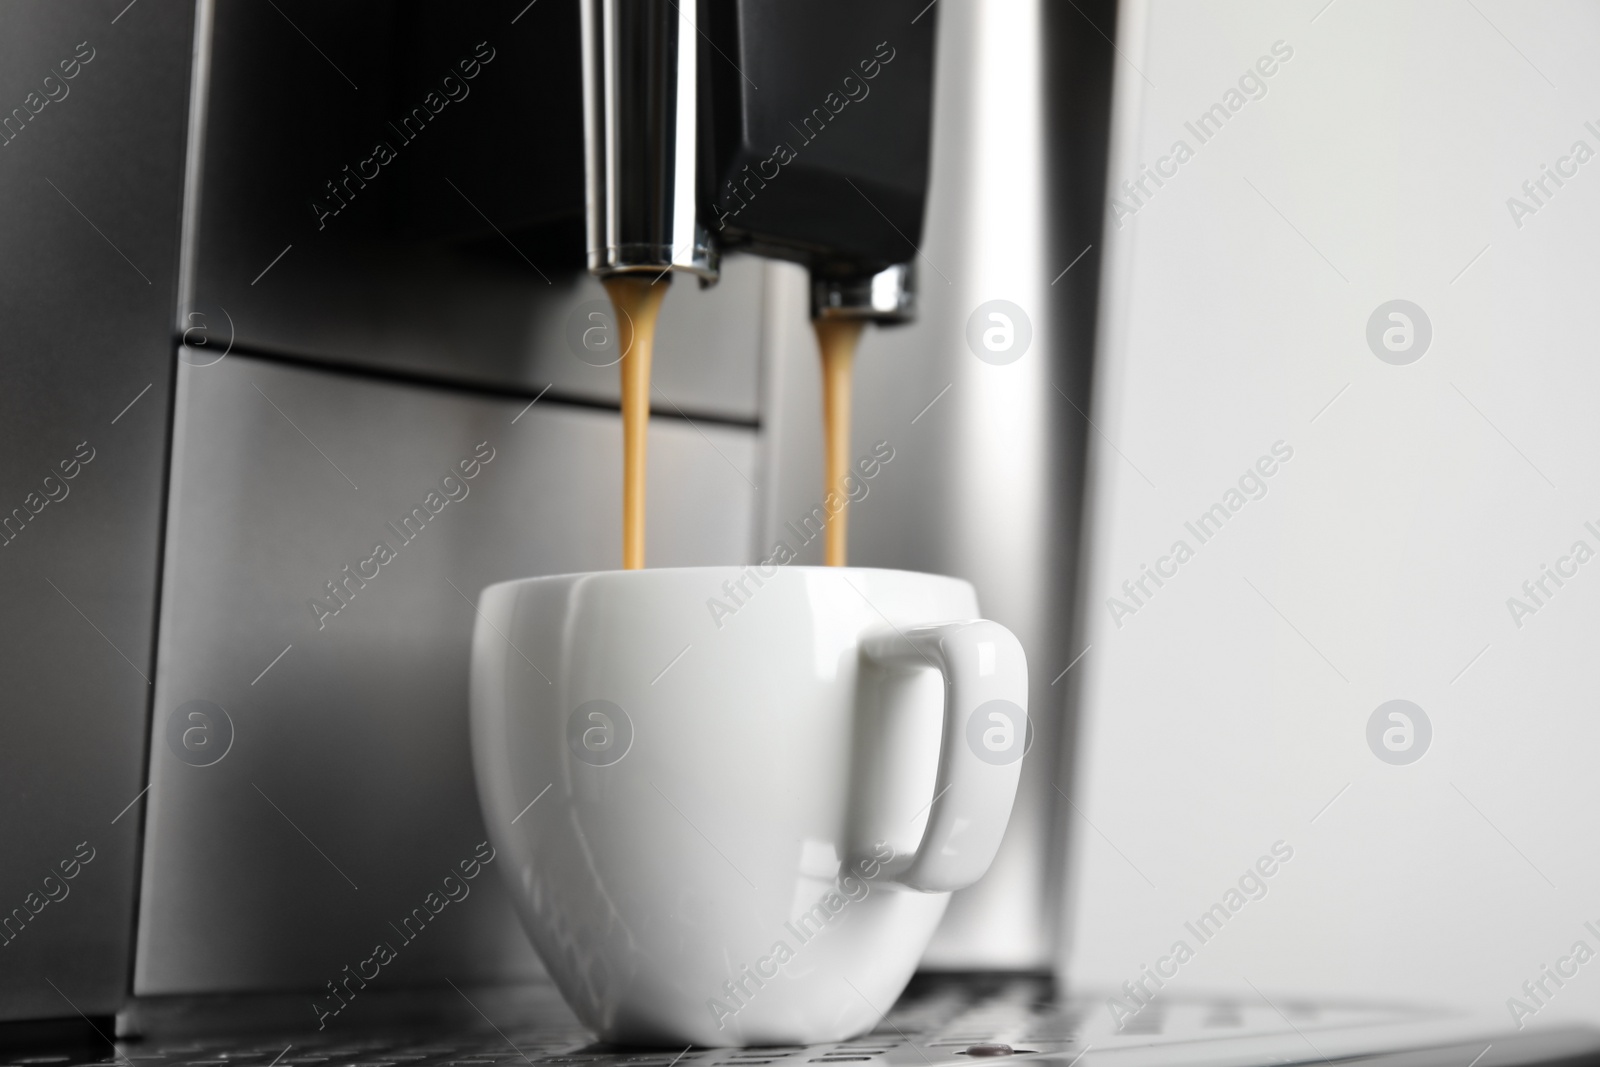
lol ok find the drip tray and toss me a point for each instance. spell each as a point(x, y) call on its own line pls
point(941, 1021)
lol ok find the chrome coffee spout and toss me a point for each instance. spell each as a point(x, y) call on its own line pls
point(887, 297)
point(641, 139)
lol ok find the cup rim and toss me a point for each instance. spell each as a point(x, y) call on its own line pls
point(728, 568)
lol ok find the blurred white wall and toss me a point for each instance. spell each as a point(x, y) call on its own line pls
point(1230, 710)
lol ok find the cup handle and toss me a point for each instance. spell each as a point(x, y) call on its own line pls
point(980, 755)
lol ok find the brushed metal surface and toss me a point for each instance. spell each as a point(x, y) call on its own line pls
point(463, 259)
point(91, 179)
point(988, 459)
point(347, 793)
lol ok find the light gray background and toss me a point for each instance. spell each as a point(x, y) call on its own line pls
point(1223, 717)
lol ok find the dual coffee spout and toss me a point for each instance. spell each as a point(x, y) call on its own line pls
point(796, 131)
point(793, 130)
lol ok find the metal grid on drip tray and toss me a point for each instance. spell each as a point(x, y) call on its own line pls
point(933, 1023)
point(937, 1023)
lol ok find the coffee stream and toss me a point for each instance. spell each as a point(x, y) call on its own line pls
point(637, 301)
point(837, 338)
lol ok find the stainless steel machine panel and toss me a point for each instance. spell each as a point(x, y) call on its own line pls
point(94, 105)
point(988, 454)
point(337, 791)
point(462, 259)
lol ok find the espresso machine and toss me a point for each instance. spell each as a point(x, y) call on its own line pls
point(280, 273)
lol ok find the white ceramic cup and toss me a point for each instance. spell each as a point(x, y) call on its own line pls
point(732, 802)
